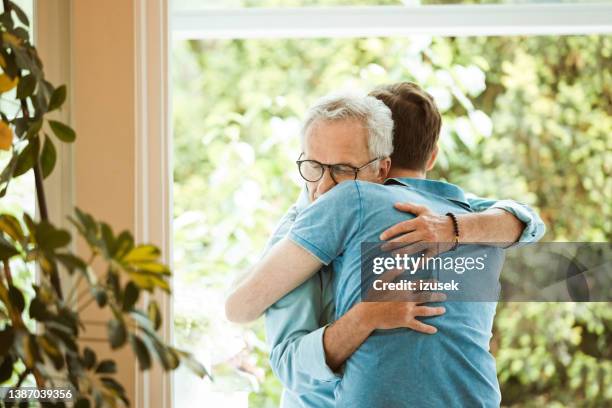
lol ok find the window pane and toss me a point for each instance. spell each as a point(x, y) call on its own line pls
point(524, 117)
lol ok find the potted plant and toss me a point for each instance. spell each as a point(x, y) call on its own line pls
point(40, 337)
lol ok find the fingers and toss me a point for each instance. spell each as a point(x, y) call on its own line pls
point(411, 208)
point(428, 297)
point(399, 228)
point(390, 276)
point(427, 311)
point(421, 327)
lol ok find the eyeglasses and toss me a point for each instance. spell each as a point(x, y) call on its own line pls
point(312, 170)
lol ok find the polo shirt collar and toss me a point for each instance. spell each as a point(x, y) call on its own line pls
point(439, 188)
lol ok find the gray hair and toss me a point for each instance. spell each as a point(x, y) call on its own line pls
point(372, 113)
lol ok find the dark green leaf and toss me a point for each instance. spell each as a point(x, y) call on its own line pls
point(7, 250)
point(7, 336)
point(154, 314)
point(38, 310)
point(71, 262)
point(140, 348)
point(11, 226)
point(6, 368)
point(65, 337)
point(33, 128)
point(117, 333)
point(101, 297)
point(21, 33)
point(89, 358)
point(26, 86)
point(82, 403)
point(57, 98)
point(167, 356)
point(21, 15)
point(27, 158)
point(48, 157)
point(62, 131)
point(16, 297)
point(123, 244)
point(106, 367)
point(194, 365)
point(49, 237)
point(108, 239)
point(130, 296)
point(51, 349)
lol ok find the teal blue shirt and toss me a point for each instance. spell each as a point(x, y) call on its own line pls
point(295, 324)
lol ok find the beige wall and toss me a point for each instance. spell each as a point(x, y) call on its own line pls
point(103, 117)
point(89, 44)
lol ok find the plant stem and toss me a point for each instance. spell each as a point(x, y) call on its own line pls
point(84, 305)
point(7, 272)
point(42, 201)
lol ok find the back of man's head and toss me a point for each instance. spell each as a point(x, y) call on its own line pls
point(417, 123)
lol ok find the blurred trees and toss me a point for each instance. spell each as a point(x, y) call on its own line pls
point(527, 118)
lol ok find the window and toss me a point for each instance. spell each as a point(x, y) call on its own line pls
point(519, 113)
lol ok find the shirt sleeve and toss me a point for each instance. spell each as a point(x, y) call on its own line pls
point(534, 226)
point(293, 324)
point(324, 228)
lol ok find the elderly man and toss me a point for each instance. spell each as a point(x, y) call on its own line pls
point(355, 133)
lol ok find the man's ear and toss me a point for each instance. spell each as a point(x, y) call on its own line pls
point(385, 167)
point(432, 159)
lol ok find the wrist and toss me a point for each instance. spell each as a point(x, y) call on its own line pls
point(363, 318)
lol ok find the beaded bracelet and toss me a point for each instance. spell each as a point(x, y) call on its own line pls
point(456, 228)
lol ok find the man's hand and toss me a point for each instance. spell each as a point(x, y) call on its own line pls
point(429, 232)
point(393, 315)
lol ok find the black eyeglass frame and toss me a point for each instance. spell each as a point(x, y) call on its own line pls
point(329, 168)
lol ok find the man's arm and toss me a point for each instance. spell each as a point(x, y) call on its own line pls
point(497, 222)
point(284, 268)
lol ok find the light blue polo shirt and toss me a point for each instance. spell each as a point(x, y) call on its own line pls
point(401, 368)
point(295, 324)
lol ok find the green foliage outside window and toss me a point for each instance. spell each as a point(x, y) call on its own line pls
point(527, 118)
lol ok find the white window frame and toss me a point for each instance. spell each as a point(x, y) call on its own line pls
point(155, 24)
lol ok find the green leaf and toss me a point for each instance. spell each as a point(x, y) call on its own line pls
point(57, 98)
point(7, 250)
point(82, 403)
point(130, 296)
point(62, 131)
point(33, 128)
point(48, 157)
point(49, 237)
point(71, 262)
point(89, 358)
point(16, 297)
point(26, 86)
point(6, 368)
point(21, 15)
point(38, 310)
point(194, 365)
point(107, 238)
point(106, 367)
point(11, 226)
point(142, 253)
point(117, 333)
point(167, 356)
point(101, 297)
point(50, 347)
point(140, 348)
point(27, 158)
point(123, 244)
point(154, 314)
point(7, 336)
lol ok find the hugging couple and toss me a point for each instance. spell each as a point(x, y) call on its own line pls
point(364, 161)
